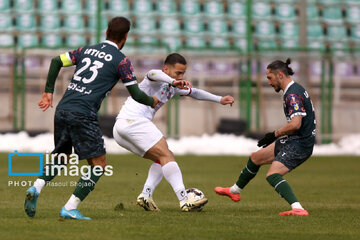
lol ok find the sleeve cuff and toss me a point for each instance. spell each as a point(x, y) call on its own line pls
point(130, 83)
point(298, 114)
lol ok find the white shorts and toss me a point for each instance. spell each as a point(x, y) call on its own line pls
point(136, 135)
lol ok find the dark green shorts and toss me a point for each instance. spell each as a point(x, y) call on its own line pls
point(73, 129)
point(291, 153)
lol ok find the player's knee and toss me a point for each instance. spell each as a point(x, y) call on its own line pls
point(98, 161)
point(168, 155)
point(255, 158)
point(101, 164)
point(171, 155)
point(165, 157)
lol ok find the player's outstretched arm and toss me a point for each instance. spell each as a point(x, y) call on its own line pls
point(47, 97)
point(204, 95)
point(227, 100)
point(54, 69)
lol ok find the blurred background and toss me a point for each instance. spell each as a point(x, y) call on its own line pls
point(227, 43)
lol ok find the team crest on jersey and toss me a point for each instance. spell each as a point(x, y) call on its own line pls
point(296, 102)
point(295, 106)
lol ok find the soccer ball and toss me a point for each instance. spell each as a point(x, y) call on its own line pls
point(197, 194)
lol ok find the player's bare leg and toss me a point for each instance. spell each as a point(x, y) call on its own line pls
point(172, 173)
point(277, 167)
point(160, 152)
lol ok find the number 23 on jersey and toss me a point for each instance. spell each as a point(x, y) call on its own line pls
point(94, 66)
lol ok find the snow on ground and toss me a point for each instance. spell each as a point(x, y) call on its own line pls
point(216, 144)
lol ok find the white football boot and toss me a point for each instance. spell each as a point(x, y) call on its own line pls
point(147, 203)
point(193, 205)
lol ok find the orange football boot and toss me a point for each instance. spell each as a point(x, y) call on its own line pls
point(295, 212)
point(226, 192)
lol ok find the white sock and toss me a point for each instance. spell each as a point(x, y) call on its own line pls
point(72, 203)
point(296, 205)
point(39, 184)
point(235, 189)
point(172, 174)
point(154, 178)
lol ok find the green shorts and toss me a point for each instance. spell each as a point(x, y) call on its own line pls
point(73, 129)
point(290, 152)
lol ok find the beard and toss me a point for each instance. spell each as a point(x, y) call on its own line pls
point(277, 87)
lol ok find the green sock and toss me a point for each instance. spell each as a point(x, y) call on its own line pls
point(248, 173)
point(50, 171)
point(85, 185)
point(282, 187)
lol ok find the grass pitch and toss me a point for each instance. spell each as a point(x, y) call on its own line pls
point(328, 187)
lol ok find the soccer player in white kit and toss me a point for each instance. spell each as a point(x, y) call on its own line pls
point(135, 131)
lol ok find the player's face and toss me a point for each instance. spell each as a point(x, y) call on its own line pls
point(273, 80)
point(176, 71)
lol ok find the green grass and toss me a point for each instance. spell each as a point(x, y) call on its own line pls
point(328, 187)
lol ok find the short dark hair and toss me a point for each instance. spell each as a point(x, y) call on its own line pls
point(280, 66)
point(175, 58)
point(117, 28)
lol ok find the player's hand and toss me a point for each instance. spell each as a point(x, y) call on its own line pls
point(182, 84)
point(227, 100)
point(268, 139)
point(156, 101)
point(46, 101)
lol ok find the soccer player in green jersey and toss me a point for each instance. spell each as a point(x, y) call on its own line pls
point(98, 69)
point(285, 148)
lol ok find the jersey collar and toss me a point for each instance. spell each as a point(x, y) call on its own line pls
point(111, 43)
point(287, 87)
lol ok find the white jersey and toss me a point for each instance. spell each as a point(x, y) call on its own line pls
point(162, 90)
point(134, 129)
